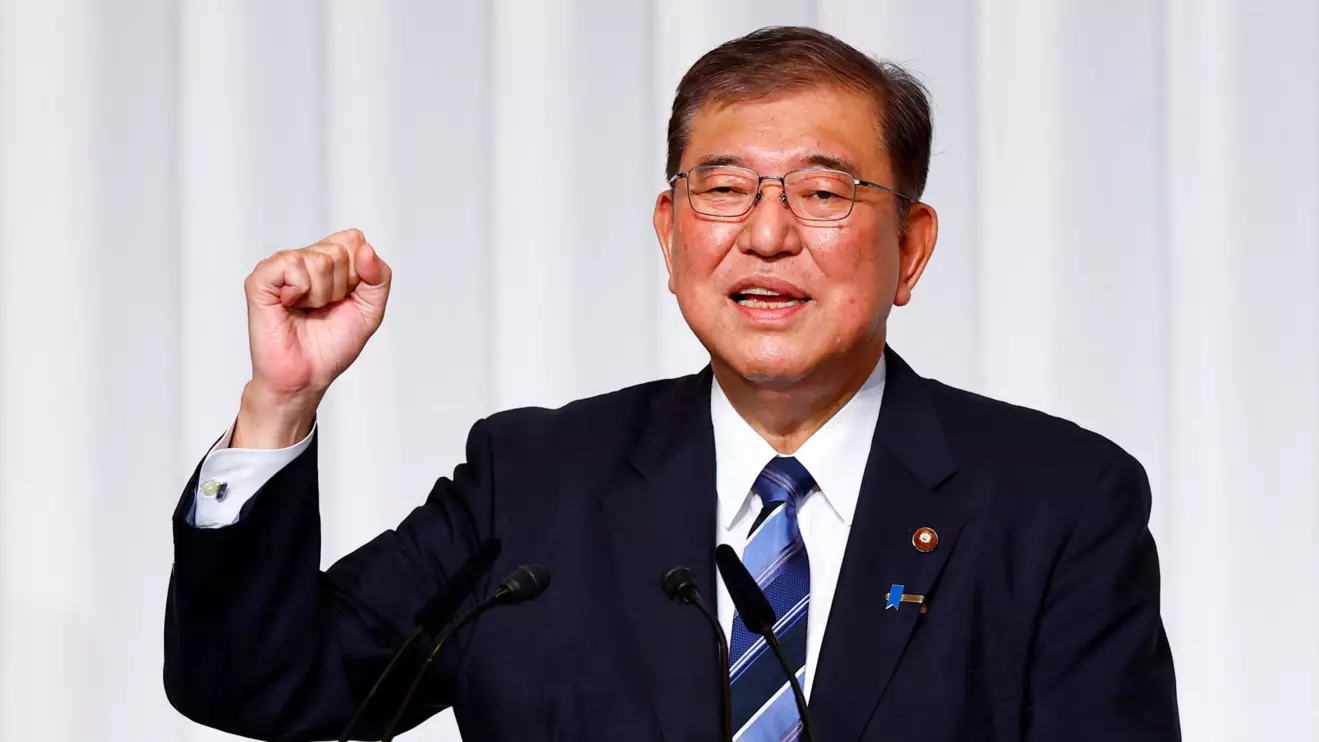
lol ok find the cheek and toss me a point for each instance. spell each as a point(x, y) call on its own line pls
point(845, 257)
point(700, 248)
point(860, 269)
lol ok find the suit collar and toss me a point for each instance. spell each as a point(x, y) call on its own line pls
point(909, 427)
point(678, 418)
point(909, 484)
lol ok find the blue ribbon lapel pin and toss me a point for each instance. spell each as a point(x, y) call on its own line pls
point(897, 595)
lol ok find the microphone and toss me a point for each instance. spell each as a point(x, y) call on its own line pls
point(679, 584)
point(435, 613)
point(758, 616)
point(526, 583)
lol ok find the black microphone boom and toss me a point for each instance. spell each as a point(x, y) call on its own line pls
point(679, 584)
point(526, 583)
point(444, 604)
point(435, 613)
point(758, 616)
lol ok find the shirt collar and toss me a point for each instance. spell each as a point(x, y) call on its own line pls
point(835, 455)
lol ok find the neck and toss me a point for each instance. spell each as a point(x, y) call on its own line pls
point(786, 415)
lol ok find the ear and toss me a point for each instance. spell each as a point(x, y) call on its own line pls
point(915, 247)
point(664, 230)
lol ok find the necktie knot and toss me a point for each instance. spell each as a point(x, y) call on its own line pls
point(784, 480)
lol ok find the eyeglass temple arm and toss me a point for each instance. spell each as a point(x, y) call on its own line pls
point(886, 189)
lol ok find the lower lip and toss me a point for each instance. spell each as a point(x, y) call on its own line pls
point(775, 314)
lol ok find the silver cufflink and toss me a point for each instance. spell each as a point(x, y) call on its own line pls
point(214, 488)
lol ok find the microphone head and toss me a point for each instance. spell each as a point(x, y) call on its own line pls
point(525, 583)
point(751, 604)
point(445, 602)
point(679, 584)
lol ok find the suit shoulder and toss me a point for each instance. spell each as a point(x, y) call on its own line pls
point(1037, 468)
point(610, 417)
point(984, 429)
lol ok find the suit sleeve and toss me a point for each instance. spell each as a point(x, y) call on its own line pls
point(241, 472)
point(1101, 666)
point(259, 642)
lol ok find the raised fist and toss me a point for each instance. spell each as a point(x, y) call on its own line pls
point(309, 314)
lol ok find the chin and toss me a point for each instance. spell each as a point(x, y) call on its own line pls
point(770, 366)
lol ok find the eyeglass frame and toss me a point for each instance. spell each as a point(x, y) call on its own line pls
point(783, 190)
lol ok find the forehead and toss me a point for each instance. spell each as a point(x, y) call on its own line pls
point(790, 130)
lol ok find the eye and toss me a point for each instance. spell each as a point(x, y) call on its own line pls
point(819, 195)
point(723, 188)
point(820, 187)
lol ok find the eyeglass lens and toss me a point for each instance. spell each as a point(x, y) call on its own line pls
point(815, 194)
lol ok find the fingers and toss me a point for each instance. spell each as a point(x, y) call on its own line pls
point(342, 269)
point(282, 278)
point(296, 279)
point(349, 238)
point(319, 275)
point(320, 267)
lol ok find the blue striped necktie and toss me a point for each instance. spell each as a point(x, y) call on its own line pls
point(763, 706)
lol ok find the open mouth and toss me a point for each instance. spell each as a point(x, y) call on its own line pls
point(755, 297)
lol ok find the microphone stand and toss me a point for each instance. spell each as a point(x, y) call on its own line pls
point(440, 608)
point(807, 730)
point(361, 709)
point(724, 687)
point(679, 584)
point(524, 584)
point(462, 620)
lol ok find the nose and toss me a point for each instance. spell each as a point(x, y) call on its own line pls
point(770, 229)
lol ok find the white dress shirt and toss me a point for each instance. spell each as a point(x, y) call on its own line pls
point(230, 476)
point(835, 456)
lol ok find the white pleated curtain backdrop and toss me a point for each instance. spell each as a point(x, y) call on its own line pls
point(1129, 239)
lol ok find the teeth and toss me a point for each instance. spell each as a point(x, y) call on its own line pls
point(759, 291)
point(758, 304)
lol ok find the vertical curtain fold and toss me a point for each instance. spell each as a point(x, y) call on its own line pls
point(1129, 239)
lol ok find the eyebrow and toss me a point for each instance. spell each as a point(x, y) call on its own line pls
point(813, 160)
point(832, 163)
point(719, 160)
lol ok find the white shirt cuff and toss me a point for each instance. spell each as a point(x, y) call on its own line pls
point(231, 476)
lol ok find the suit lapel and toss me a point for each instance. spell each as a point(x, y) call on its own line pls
point(665, 518)
point(901, 492)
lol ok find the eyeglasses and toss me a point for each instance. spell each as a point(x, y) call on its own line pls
point(812, 194)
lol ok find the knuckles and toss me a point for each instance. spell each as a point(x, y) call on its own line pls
point(320, 262)
point(328, 257)
point(338, 256)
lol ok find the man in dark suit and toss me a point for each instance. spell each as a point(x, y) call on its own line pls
point(944, 566)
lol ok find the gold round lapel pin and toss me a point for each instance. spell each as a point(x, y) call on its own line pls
point(925, 540)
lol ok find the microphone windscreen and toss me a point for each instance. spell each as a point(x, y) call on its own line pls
point(675, 581)
point(444, 603)
point(525, 583)
point(751, 604)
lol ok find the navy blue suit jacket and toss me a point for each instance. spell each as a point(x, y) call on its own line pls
point(1043, 592)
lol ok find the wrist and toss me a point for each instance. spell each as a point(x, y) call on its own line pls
point(269, 420)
